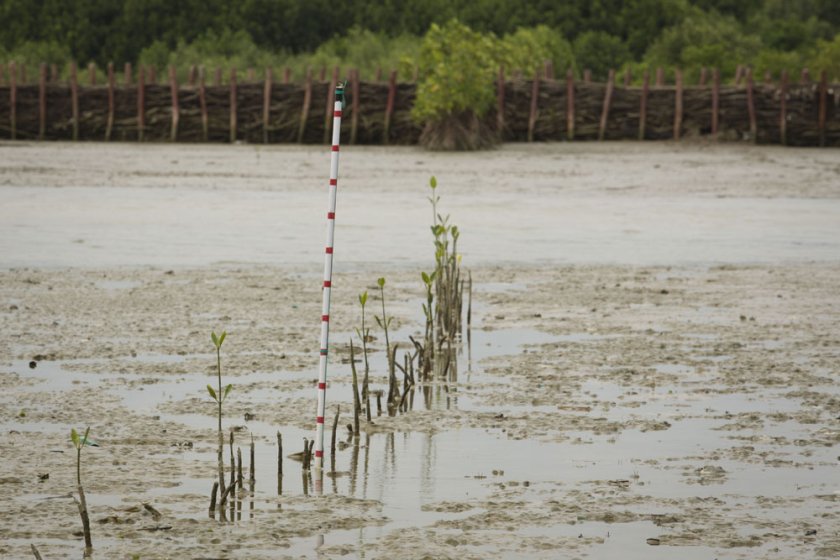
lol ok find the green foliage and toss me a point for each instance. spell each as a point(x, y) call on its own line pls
point(528, 48)
point(709, 40)
point(827, 57)
point(600, 52)
point(457, 66)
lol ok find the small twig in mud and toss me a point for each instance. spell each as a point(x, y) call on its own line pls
point(239, 466)
point(35, 552)
point(213, 496)
point(156, 515)
point(279, 454)
point(252, 474)
point(232, 470)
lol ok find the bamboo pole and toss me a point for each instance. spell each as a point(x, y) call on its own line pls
point(605, 109)
point(233, 100)
point(109, 123)
point(307, 100)
point(202, 102)
point(643, 104)
point(570, 104)
point(389, 106)
point(678, 104)
point(500, 102)
point(13, 99)
point(751, 104)
point(532, 115)
point(266, 104)
point(74, 99)
point(141, 102)
point(42, 101)
point(823, 107)
point(715, 101)
point(176, 111)
point(783, 93)
point(354, 92)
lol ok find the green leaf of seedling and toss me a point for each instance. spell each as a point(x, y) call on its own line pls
point(433, 182)
point(426, 279)
point(388, 322)
point(222, 338)
point(212, 392)
point(381, 282)
point(215, 339)
point(74, 437)
point(85, 438)
point(363, 298)
point(378, 320)
point(227, 391)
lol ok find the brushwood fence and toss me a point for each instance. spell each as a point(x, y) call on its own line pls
point(542, 108)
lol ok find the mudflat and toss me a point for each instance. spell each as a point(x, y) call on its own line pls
point(651, 369)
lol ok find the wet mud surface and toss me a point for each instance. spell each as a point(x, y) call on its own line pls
point(633, 412)
point(652, 368)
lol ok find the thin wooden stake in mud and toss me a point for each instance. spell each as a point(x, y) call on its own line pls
point(327, 286)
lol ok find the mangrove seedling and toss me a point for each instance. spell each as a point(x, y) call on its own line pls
point(220, 396)
point(81, 502)
point(384, 322)
point(364, 334)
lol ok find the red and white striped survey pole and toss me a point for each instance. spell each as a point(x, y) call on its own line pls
point(328, 260)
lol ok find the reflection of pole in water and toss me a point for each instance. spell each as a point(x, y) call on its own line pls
point(367, 461)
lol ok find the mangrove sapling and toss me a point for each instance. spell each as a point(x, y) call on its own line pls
point(220, 396)
point(81, 502)
point(357, 406)
point(384, 322)
point(364, 334)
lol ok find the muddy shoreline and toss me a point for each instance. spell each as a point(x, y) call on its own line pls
point(652, 368)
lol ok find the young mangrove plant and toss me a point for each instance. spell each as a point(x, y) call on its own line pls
point(81, 502)
point(364, 334)
point(219, 396)
point(384, 322)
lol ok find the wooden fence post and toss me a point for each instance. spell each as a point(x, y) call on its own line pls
point(783, 108)
point(74, 98)
point(805, 77)
point(500, 102)
point(715, 101)
point(532, 115)
point(389, 106)
point(768, 78)
point(322, 74)
point(570, 104)
point(127, 72)
point(176, 110)
point(287, 75)
point(151, 74)
point(266, 104)
point(191, 75)
point(751, 104)
point(605, 110)
point(233, 99)
point(643, 104)
point(354, 119)
point(202, 102)
point(823, 109)
point(328, 112)
point(109, 123)
point(660, 77)
point(141, 102)
point(307, 100)
point(42, 100)
point(549, 70)
point(13, 99)
point(739, 74)
point(703, 76)
point(628, 77)
point(92, 73)
point(587, 76)
point(678, 103)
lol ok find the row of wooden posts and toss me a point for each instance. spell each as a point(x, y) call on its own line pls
point(744, 75)
point(196, 80)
